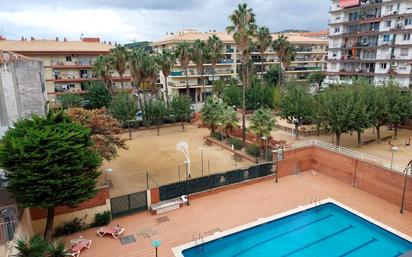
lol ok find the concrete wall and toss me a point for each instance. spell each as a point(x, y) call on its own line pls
point(371, 178)
point(22, 90)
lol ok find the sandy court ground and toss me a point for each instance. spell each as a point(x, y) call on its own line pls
point(157, 155)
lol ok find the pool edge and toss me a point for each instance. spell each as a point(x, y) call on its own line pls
point(178, 250)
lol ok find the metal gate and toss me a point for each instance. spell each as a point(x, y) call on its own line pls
point(128, 204)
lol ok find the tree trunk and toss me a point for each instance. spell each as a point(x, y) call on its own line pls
point(187, 83)
point(203, 85)
point(359, 138)
point(109, 86)
point(395, 135)
point(213, 74)
point(378, 133)
point(158, 128)
point(121, 81)
point(337, 139)
point(166, 92)
point(243, 103)
point(297, 130)
point(317, 129)
point(49, 224)
point(183, 124)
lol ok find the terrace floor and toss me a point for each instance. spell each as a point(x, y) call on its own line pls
point(235, 207)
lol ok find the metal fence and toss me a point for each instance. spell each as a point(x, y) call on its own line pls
point(7, 230)
point(347, 152)
point(214, 181)
point(128, 204)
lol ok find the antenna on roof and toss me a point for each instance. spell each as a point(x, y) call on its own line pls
point(81, 35)
point(133, 40)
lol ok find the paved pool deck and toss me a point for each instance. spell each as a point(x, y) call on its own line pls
point(235, 207)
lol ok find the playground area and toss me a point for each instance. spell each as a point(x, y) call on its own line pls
point(157, 155)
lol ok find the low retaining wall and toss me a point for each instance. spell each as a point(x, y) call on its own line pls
point(374, 179)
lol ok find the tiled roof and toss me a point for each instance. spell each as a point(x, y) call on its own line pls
point(191, 35)
point(44, 46)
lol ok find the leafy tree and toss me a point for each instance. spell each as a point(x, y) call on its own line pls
point(243, 26)
point(317, 78)
point(380, 108)
point(272, 76)
point(155, 111)
point(262, 123)
point(70, 100)
point(318, 112)
point(166, 61)
point(219, 87)
point(259, 95)
point(232, 95)
point(183, 54)
point(229, 120)
point(199, 54)
point(182, 108)
point(50, 162)
point(104, 128)
point(296, 105)
point(98, 96)
point(215, 52)
point(337, 111)
point(263, 42)
point(102, 69)
point(123, 108)
point(399, 105)
point(212, 113)
point(120, 61)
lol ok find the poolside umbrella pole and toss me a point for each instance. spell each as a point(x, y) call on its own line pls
point(156, 244)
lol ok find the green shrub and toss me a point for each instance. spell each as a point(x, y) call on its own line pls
point(70, 227)
point(237, 143)
point(102, 219)
point(217, 135)
point(253, 150)
point(70, 100)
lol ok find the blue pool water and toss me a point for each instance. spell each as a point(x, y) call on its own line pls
point(324, 231)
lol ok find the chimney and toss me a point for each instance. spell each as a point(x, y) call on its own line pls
point(57, 39)
point(110, 42)
point(22, 38)
point(32, 38)
point(65, 39)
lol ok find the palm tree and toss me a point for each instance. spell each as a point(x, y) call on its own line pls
point(216, 48)
point(229, 120)
point(150, 73)
point(286, 53)
point(166, 60)
point(212, 114)
point(183, 54)
point(199, 54)
point(57, 249)
point(263, 41)
point(243, 28)
point(120, 59)
point(136, 70)
point(262, 123)
point(36, 246)
point(102, 69)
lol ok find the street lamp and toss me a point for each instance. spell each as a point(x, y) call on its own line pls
point(156, 244)
point(106, 180)
point(201, 157)
point(393, 149)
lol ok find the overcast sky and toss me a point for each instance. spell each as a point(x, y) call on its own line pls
point(126, 20)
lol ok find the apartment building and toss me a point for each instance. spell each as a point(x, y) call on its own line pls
point(371, 39)
point(311, 57)
point(67, 64)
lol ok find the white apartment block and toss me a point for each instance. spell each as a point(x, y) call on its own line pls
point(311, 56)
point(372, 39)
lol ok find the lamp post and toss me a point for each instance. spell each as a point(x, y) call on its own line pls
point(266, 147)
point(187, 180)
point(393, 149)
point(106, 180)
point(156, 244)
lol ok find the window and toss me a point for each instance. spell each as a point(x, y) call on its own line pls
point(404, 51)
point(383, 66)
point(407, 36)
point(68, 58)
point(386, 38)
point(337, 30)
point(389, 8)
point(408, 21)
point(388, 24)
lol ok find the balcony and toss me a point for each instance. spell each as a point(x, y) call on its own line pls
point(230, 50)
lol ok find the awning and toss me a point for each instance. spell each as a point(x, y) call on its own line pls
point(348, 3)
point(370, 20)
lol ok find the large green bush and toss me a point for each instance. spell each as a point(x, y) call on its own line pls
point(253, 150)
point(102, 219)
point(237, 143)
point(70, 227)
point(70, 100)
point(98, 96)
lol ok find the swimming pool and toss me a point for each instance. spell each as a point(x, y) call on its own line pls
point(329, 230)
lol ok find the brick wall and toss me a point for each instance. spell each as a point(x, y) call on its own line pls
point(371, 178)
point(98, 200)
